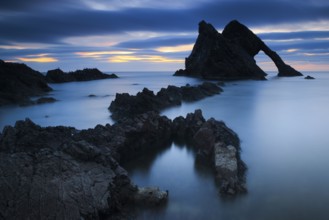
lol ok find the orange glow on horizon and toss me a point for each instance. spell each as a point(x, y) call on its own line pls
point(143, 58)
point(98, 54)
point(179, 48)
point(38, 59)
point(298, 65)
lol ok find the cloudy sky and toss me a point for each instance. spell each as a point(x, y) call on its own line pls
point(140, 35)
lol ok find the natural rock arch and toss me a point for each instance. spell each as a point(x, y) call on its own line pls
point(230, 55)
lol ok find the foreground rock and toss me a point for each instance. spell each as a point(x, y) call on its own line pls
point(230, 55)
point(19, 82)
point(59, 173)
point(63, 173)
point(126, 105)
point(58, 76)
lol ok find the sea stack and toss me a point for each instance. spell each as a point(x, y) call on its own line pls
point(230, 55)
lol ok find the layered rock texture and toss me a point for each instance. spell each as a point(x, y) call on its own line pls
point(65, 173)
point(62, 173)
point(126, 105)
point(58, 76)
point(18, 83)
point(230, 55)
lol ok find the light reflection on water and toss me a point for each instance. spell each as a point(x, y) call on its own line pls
point(283, 124)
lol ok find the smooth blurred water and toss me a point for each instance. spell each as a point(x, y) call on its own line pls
point(283, 124)
point(75, 107)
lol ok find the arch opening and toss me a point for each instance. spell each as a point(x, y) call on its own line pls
point(265, 63)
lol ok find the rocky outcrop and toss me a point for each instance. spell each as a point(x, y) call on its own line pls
point(217, 146)
point(18, 83)
point(221, 146)
point(58, 76)
point(230, 55)
point(64, 173)
point(59, 173)
point(126, 105)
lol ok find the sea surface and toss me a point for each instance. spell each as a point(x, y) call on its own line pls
point(283, 124)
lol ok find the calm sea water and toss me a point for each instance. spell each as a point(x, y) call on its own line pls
point(283, 124)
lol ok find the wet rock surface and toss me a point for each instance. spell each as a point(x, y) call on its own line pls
point(64, 173)
point(219, 146)
point(230, 55)
point(126, 105)
point(18, 83)
point(150, 196)
point(58, 76)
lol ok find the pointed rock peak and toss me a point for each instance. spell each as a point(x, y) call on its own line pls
point(235, 29)
point(234, 23)
point(206, 28)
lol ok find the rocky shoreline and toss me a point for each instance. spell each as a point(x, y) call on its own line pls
point(62, 172)
point(19, 83)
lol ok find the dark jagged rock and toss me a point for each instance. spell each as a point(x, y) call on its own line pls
point(309, 77)
point(126, 105)
point(58, 76)
point(57, 172)
point(18, 83)
point(230, 55)
point(63, 173)
point(185, 128)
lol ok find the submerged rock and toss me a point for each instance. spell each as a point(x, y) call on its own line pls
point(150, 196)
point(230, 55)
point(58, 76)
point(309, 77)
point(44, 100)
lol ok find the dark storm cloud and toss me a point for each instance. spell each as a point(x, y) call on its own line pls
point(45, 27)
point(294, 35)
point(52, 25)
point(256, 13)
point(24, 5)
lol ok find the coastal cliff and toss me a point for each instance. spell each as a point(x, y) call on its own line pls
point(18, 83)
